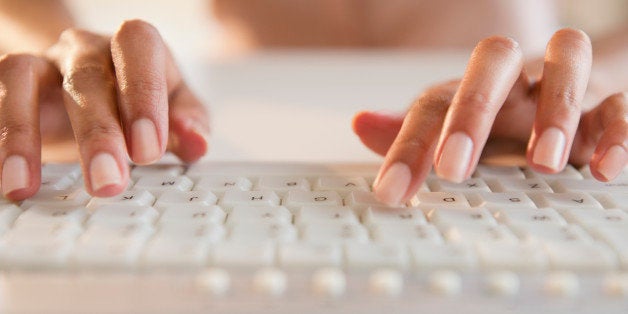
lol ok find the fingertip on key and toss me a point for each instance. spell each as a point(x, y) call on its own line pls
point(392, 185)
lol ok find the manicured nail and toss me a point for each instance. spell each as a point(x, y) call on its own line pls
point(393, 184)
point(613, 162)
point(145, 147)
point(104, 171)
point(549, 149)
point(455, 157)
point(15, 174)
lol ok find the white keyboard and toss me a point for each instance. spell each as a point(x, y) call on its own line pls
point(280, 238)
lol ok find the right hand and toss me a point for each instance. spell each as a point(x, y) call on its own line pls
point(119, 96)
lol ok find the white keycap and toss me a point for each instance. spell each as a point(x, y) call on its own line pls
point(131, 197)
point(69, 198)
point(30, 234)
point(524, 216)
point(519, 185)
point(360, 200)
point(162, 170)
point(617, 200)
point(261, 232)
point(117, 214)
point(297, 199)
point(238, 254)
point(500, 200)
point(325, 215)
point(35, 255)
point(192, 214)
point(547, 232)
point(282, 185)
point(8, 214)
point(106, 247)
point(581, 257)
point(566, 200)
point(615, 237)
point(270, 282)
point(210, 233)
point(568, 173)
point(260, 214)
point(215, 281)
point(471, 233)
point(491, 171)
point(309, 255)
point(592, 218)
point(469, 185)
point(160, 184)
point(41, 214)
point(220, 184)
point(562, 284)
point(386, 282)
point(572, 185)
point(434, 200)
point(444, 217)
point(73, 170)
point(376, 255)
point(616, 285)
point(517, 257)
point(405, 233)
point(57, 183)
point(329, 282)
point(175, 252)
point(427, 257)
point(124, 233)
point(445, 282)
point(342, 185)
point(179, 198)
point(387, 215)
point(503, 283)
point(333, 233)
point(234, 198)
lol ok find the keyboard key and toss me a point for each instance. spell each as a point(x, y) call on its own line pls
point(562, 284)
point(260, 215)
point(32, 234)
point(179, 198)
point(566, 200)
point(437, 200)
point(329, 282)
point(164, 251)
point(469, 185)
point(282, 185)
point(72, 170)
point(43, 254)
point(568, 173)
point(131, 197)
point(270, 282)
point(526, 216)
point(519, 185)
point(548, 232)
point(325, 215)
point(115, 214)
point(192, 215)
point(70, 198)
point(44, 215)
point(386, 282)
point(210, 233)
point(444, 282)
point(428, 257)
point(309, 255)
point(220, 184)
point(581, 256)
point(500, 200)
point(160, 170)
point(238, 254)
point(508, 256)
point(110, 247)
point(491, 171)
point(479, 233)
point(342, 185)
point(592, 218)
point(405, 233)
point(379, 255)
point(297, 199)
point(445, 217)
point(8, 214)
point(57, 183)
point(387, 215)
point(234, 198)
point(360, 200)
point(160, 184)
point(260, 232)
point(333, 233)
point(573, 185)
point(616, 200)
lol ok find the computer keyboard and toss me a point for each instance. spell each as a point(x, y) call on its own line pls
point(239, 237)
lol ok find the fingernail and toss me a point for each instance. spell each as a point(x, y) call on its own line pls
point(104, 171)
point(613, 162)
point(550, 148)
point(393, 184)
point(15, 174)
point(455, 157)
point(146, 147)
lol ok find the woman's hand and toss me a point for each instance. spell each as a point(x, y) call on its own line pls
point(449, 124)
point(123, 95)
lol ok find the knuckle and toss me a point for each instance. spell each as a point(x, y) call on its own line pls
point(20, 62)
point(569, 98)
point(87, 75)
point(14, 129)
point(478, 102)
point(99, 131)
point(413, 144)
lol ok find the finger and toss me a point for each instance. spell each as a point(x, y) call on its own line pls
point(602, 138)
point(189, 123)
point(21, 77)
point(377, 130)
point(565, 75)
point(494, 68)
point(90, 100)
point(139, 57)
point(409, 159)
